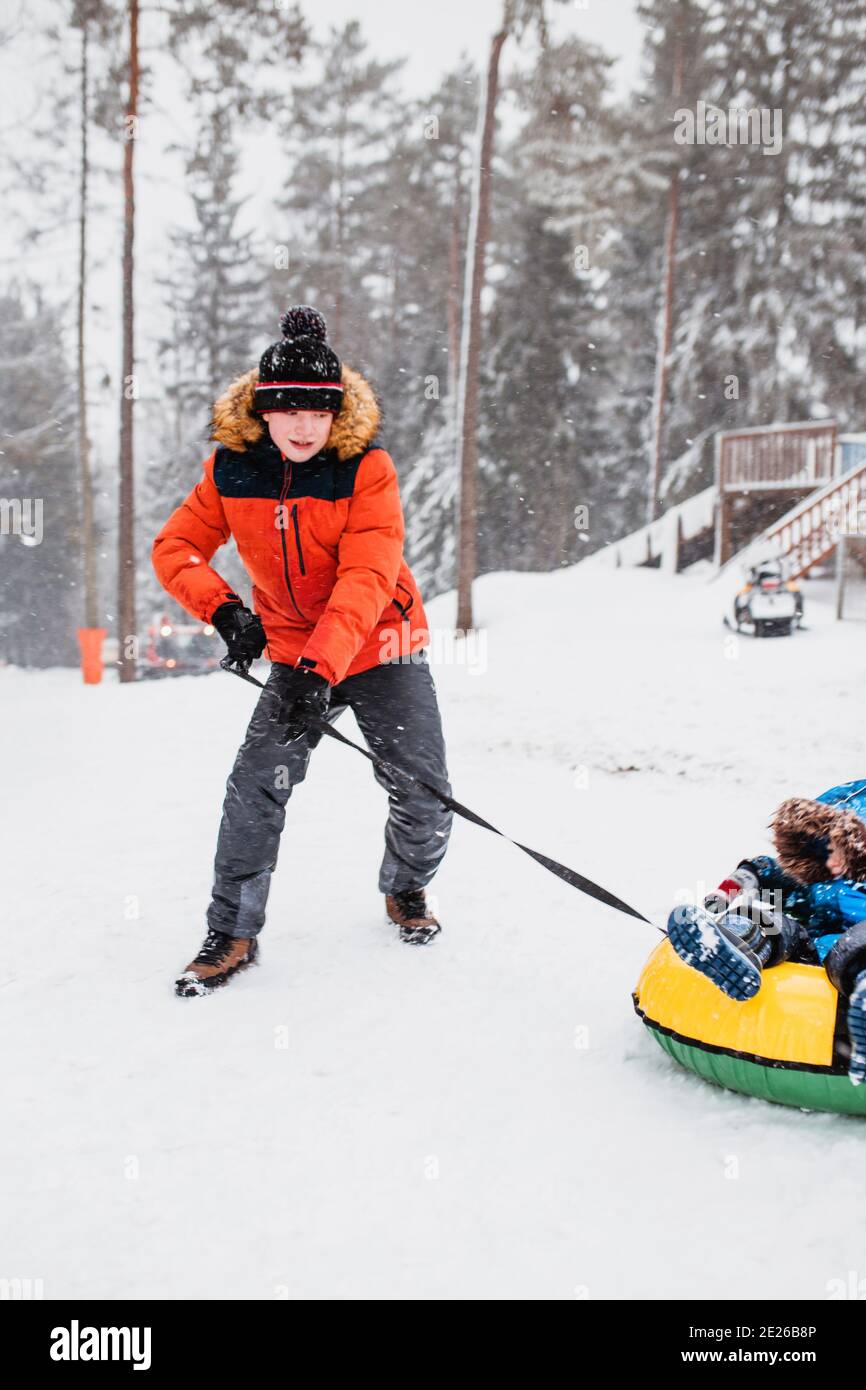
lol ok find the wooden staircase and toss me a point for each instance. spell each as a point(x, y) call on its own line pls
point(808, 533)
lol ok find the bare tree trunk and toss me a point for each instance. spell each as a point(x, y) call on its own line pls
point(452, 298)
point(392, 308)
point(126, 517)
point(666, 327)
point(336, 333)
point(91, 600)
point(467, 404)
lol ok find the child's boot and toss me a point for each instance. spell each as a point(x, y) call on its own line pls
point(729, 952)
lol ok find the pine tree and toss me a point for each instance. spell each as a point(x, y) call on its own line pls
point(770, 266)
point(40, 552)
point(518, 18)
point(425, 246)
point(540, 431)
point(336, 135)
point(429, 500)
point(215, 304)
point(215, 288)
point(650, 191)
point(561, 420)
point(791, 243)
point(57, 191)
point(418, 245)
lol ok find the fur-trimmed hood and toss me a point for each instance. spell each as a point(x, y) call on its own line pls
point(805, 831)
point(235, 423)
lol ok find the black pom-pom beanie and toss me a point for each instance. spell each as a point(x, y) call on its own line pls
point(301, 371)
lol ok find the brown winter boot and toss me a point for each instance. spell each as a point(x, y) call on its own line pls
point(408, 910)
point(220, 957)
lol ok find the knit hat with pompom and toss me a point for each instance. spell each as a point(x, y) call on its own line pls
point(300, 372)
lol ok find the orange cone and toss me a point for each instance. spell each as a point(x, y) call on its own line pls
point(90, 641)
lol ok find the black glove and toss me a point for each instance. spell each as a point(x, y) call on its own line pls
point(308, 694)
point(241, 631)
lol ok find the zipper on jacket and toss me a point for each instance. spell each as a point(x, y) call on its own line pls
point(283, 544)
point(298, 538)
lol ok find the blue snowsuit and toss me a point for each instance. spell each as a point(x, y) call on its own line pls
point(826, 910)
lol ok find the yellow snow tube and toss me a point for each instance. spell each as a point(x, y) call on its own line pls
point(788, 1044)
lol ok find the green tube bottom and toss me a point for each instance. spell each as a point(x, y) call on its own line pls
point(789, 1085)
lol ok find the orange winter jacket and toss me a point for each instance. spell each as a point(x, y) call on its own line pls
point(322, 541)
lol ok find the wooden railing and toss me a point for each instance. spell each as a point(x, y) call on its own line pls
point(809, 532)
point(776, 457)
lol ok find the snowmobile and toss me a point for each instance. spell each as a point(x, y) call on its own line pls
point(768, 603)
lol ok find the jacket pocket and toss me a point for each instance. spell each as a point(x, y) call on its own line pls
point(403, 607)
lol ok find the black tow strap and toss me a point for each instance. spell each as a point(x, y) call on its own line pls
point(401, 775)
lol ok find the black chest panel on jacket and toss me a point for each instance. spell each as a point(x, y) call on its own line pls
point(259, 472)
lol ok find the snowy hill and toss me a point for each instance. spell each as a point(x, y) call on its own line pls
point(356, 1119)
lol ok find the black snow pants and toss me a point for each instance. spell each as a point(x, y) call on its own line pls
point(396, 709)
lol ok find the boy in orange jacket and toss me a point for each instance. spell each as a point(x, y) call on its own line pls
point(314, 507)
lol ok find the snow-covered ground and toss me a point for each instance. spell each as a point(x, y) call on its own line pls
point(353, 1118)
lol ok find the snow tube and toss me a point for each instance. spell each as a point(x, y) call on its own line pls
point(787, 1045)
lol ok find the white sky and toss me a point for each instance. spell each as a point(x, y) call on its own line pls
point(433, 36)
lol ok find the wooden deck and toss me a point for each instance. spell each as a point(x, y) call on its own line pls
point(762, 473)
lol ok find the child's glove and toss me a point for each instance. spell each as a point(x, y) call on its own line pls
point(241, 631)
point(309, 694)
point(743, 882)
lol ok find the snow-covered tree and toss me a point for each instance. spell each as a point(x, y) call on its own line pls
point(430, 507)
point(40, 550)
point(335, 135)
point(215, 286)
